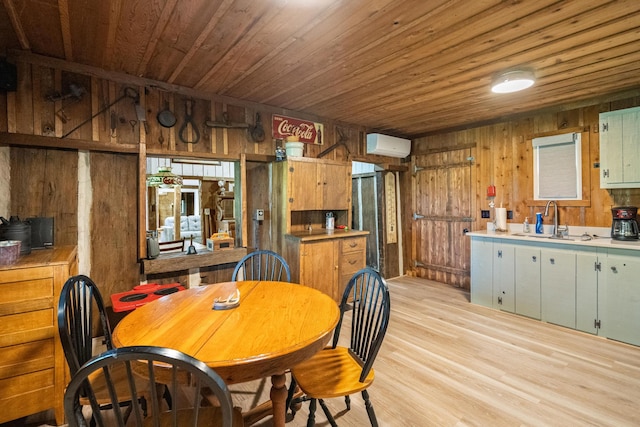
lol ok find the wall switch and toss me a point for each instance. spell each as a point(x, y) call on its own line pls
point(485, 214)
point(259, 215)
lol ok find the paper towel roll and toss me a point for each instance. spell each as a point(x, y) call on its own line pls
point(501, 219)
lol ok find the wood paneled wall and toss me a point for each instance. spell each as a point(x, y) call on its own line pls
point(44, 180)
point(503, 157)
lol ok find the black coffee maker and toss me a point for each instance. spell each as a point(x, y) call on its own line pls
point(625, 223)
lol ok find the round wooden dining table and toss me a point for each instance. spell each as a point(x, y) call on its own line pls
point(276, 326)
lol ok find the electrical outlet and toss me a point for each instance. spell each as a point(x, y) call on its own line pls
point(509, 214)
point(485, 214)
point(259, 215)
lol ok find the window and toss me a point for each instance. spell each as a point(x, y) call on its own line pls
point(557, 167)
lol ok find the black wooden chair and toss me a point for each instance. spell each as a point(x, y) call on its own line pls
point(80, 298)
point(262, 265)
point(184, 375)
point(338, 371)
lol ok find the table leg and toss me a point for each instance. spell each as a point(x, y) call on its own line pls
point(279, 399)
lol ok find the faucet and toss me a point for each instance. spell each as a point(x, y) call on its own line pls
point(556, 233)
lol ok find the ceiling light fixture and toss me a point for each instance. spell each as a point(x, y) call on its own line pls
point(513, 81)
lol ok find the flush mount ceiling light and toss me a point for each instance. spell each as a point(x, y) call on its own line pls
point(513, 81)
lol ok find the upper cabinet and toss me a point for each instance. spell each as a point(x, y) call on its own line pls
point(620, 149)
point(318, 185)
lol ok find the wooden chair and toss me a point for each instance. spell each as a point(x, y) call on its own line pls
point(79, 298)
point(338, 371)
point(173, 246)
point(262, 265)
point(150, 364)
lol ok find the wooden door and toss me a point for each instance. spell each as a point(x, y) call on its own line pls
point(443, 210)
point(304, 187)
point(318, 266)
point(336, 185)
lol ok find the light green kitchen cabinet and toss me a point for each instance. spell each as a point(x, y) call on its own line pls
point(620, 148)
point(504, 296)
point(621, 299)
point(588, 278)
point(558, 286)
point(482, 272)
point(527, 281)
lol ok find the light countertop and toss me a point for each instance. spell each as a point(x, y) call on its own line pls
point(600, 236)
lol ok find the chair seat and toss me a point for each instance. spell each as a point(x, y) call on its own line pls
point(207, 417)
point(332, 372)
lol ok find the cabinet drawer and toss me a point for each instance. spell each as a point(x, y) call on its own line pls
point(24, 358)
point(27, 394)
point(24, 327)
point(353, 244)
point(351, 262)
point(27, 295)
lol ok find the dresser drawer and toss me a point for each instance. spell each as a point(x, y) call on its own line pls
point(23, 327)
point(24, 358)
point(353, 244)
point(26, 295)
point(26, 394)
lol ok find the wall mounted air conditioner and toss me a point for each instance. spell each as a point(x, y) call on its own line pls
point(385, 145)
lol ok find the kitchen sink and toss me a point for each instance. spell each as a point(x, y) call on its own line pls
point(569, 238)
point(548, 236)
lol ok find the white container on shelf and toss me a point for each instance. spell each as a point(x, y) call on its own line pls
point(294, 149)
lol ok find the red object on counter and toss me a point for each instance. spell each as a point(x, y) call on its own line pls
point(491, 191)
point(142, 294)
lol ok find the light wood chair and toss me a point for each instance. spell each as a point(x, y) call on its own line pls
point(150, 364)
point(339, 371)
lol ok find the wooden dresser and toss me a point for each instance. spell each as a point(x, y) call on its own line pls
point(32, 364)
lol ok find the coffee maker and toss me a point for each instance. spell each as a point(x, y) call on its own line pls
point(625, 224)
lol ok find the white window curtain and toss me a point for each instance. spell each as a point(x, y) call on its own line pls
point(557, 166)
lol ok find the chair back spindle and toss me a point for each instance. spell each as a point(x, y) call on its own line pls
point(262, 265)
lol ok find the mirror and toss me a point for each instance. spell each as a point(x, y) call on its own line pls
point(203, 205)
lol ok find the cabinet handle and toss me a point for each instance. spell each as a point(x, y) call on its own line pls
point(614, 269)
point(534, 258)
point(353, 262)
point(353, 245)
point(499, 254)
point(552, 260)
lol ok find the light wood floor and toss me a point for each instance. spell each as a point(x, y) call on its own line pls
point(446, 362)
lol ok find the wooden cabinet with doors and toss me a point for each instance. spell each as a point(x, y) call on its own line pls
point(317, 185)
point(326, 261)
point(33, 370)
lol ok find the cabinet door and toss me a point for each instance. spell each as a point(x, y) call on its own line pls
point(304, 186)
point(335, 181)
point(587, 273)
point(504, 276)
point(482, 272)
point(622, 296)
point(558, 286)
point(620, 149)
point(527, 281)
point(318, 267)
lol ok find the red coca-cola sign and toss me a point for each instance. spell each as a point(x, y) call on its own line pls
point(301, 130)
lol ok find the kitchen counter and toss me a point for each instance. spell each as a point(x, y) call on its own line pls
point(600, 237)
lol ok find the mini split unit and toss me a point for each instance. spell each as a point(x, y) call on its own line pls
point(385, 145)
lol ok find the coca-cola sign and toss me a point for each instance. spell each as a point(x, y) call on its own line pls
point(289, 128)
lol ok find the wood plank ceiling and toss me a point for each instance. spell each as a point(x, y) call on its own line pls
point(406, 68)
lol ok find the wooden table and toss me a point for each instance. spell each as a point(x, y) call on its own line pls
point(276, 326)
